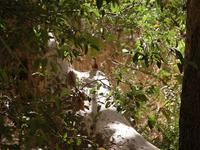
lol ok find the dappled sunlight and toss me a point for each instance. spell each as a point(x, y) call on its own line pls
point(106, 122)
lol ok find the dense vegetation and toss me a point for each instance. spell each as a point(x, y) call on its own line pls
point(144, 40)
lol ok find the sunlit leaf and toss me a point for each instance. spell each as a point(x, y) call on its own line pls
point(151, 120)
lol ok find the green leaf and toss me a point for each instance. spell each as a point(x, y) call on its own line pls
point(64, 92)
point(95, 47)
point(78, 142)
point(93, 91)
point(70, 141)
point(93, 52)
point(65, 135)
point(151, 120)
point(115, 2)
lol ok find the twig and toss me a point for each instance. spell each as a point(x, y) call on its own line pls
point(140, 70)
point(88, 83)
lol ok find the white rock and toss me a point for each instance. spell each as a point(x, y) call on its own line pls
point(112, 130)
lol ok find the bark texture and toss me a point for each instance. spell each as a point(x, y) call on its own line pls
point(190, 98)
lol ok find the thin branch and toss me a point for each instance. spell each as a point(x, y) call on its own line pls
point(140, 70)
point(93, 81)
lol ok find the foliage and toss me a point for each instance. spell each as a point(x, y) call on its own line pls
point(37, 108)
point(34, 101)
point(152, 82)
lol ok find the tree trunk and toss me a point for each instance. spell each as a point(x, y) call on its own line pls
point(190, 98)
